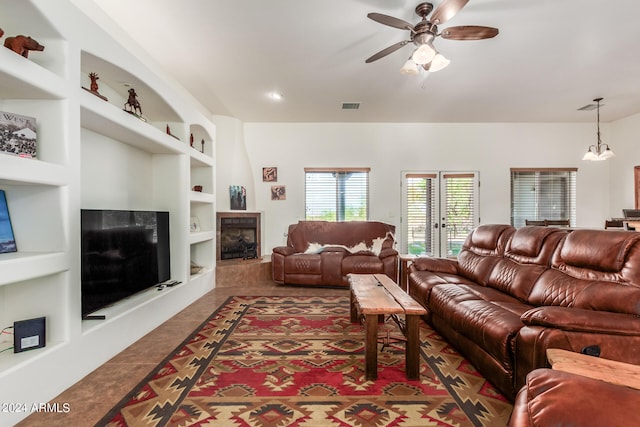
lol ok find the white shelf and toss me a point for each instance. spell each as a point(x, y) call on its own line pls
point(106, 119)
point(10, 361)
point(199, 159)
point(126, 306)
point(201, 236)
point(20, 266)
point(199, 197)
point(17, 170)
point(92, 154)
point(21, 78)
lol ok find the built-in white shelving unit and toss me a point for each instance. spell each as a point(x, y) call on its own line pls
point(93, 155)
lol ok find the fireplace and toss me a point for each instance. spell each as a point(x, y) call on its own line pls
point(238, 235)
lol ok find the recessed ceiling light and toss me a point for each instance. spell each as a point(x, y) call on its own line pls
point(276, 96)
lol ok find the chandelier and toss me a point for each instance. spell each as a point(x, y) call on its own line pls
point(599, 151)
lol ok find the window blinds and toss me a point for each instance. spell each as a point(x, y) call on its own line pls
point(539, 194)
point(337, 194)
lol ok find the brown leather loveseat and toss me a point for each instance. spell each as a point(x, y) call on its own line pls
point(513, 293)
point(324, 252)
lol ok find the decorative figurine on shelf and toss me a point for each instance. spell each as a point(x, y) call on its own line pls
point(132, 106)
point(22, 45)
point(191, 140)
point(202, 146)
point(94, 86)
point(170, 134)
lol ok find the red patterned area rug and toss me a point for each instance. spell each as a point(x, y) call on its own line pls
point(298, 361)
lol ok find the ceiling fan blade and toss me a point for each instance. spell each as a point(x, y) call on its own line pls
point(387, 51)
point(446, 10)
point(390, 21)
point(469, 32)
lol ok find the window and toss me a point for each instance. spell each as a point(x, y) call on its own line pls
point(337, 194)
point(539, 194)
point(439, 211)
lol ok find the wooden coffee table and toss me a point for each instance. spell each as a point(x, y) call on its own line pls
point(374, 296)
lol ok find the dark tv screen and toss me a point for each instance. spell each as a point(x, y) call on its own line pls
point(122, 253)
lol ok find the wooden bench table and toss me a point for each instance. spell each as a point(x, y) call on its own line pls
point(374, 296)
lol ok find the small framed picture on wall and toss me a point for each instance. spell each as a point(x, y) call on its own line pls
point(278, 192)
point(270, 174)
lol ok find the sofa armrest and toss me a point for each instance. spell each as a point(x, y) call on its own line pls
point(436, 265)
point(582, 320)
point(385, 253)
point(284, 250)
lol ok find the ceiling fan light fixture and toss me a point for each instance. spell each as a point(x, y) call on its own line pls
point(409, 68)
point(438, 63)
point(424, 54)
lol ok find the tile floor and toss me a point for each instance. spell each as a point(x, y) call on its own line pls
point(93, 396)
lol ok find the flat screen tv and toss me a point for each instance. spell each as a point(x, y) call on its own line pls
point(122, 253)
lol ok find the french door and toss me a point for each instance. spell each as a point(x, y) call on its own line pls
point(439, 209)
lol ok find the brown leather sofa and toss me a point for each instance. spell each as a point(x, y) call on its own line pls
point(513, 293)
point(323, 252)
point(556, 398)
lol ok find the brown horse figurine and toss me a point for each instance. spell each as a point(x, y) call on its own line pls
point(132, 102)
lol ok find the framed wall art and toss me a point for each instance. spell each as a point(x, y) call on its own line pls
point(278, 192)
point(17, 135)
point(270, 174)
point(7, 240)
point(237, 197)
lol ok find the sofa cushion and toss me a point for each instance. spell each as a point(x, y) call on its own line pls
point(584, 275)
point(361, 264)
point(604, 252)
point(492, 326)
point(482, 249)
point(302, 264)
point(528, 244)
point(527, 255)
point(556, 398)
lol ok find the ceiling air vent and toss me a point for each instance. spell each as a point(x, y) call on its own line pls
point(350, 105)
point(588, 107)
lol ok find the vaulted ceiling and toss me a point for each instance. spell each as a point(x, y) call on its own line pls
point(550, 58)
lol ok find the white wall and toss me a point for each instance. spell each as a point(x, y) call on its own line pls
point(390, 148)
point(232, 162)
point(624, 142)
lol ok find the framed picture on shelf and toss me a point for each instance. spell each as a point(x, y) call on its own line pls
point(237, 198)
point(194, 224)
point(278, 192)
point(7, 241)
point(270, 174)
point(18, 135)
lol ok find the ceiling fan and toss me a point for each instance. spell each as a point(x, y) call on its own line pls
point(424, 33)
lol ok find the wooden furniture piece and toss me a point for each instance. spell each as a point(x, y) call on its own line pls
point(557, 223)
point(613, 223)
point(534, 222)
point(631, 225)
point(611, 371)
point(405, 260)
point(374, 296)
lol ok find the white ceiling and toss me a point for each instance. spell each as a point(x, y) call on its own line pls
point(550, 58)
